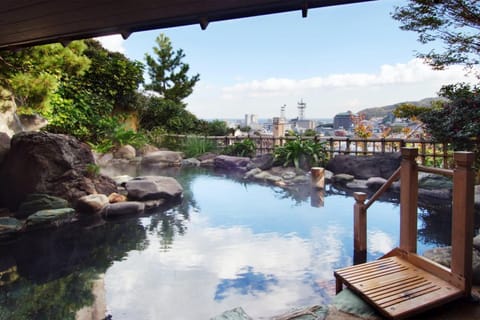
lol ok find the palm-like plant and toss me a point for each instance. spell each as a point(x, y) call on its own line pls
point(301, 153)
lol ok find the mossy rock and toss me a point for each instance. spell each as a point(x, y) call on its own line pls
point(9, 227)
point(36, 201)
point(50, 217)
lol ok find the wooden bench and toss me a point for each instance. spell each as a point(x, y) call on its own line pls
point(401, 283)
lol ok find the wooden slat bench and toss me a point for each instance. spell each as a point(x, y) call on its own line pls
point(401, 283)
point(396, 287)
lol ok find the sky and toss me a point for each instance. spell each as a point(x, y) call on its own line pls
point(342, 58)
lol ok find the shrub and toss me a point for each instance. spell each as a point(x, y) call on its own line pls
point(301, 153)
point(245, 148)
point(195, 146)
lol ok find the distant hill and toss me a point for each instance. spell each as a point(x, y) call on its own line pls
point(386, 110)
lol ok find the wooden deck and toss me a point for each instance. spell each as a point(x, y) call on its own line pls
point(396, 287)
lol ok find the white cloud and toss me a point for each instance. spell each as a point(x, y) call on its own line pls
point(414, 71)
point(181, 283)
point(379, 242)
point(325, 95)
point(113, 43)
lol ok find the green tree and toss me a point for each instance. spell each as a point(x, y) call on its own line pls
point(168, 115)
point(408, 110)
point(458, 120)
point(456, 23)
point(168, 73)
point(34, 74)
point(216, 128)
point(112, 76)
point(86, 102)
point(310, 133)
point(171, 82)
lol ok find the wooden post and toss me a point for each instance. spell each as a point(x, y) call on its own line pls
point(317, 198)
point(408, 200)
point(462, 220)
point(318, 177)
point(359, 228)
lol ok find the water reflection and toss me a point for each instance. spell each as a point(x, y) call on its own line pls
point(229, 243)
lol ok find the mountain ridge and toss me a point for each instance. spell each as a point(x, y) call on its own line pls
point(383, 111)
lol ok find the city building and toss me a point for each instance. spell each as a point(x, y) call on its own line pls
point(343, 121)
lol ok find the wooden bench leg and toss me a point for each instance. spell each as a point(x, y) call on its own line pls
point(338, 284)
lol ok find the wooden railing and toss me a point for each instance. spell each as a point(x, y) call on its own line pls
point(430, 153)
point(462, 210)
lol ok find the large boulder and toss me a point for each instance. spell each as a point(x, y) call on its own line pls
point(162, 159)
point(126, 152)
point(55, 164)
point(232, 163)
point(443, 256)
point(92, 203)
point(378, 165)
point(263, 162)
point(153, 188)
point(120, 209)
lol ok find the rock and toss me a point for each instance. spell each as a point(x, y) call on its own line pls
point(357, 184)
point(104, 159)
point(116, 197)
point(300, 180)
point(477, 196)
point(9, 124)
point(32, 122)
point(208, 163)
point(207, 156)
point(342, 178)
point(443, 256)
point(263, 162)
point(4, 145)
point(92, 203)
point(55, 164)
point(162, 159)
point(191, 162)
point(153, 188)
point(251, 173)
point(266, 176)
point(231, 163)
point(328, 175)
point(378, 165)
point(123, 208)
point(36, 202)
point(147, 149)
point(288, 175)
point(121, 180)
point(126, 152)
point(375, 183)
point(150, 204)
point(434, 181)
point(440, 194)
point(476, 242)
point(9, 227)
point(51, 217)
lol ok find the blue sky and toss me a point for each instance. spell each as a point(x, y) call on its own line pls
point(339, 58)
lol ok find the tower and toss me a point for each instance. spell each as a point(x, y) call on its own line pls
point(301, 109)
